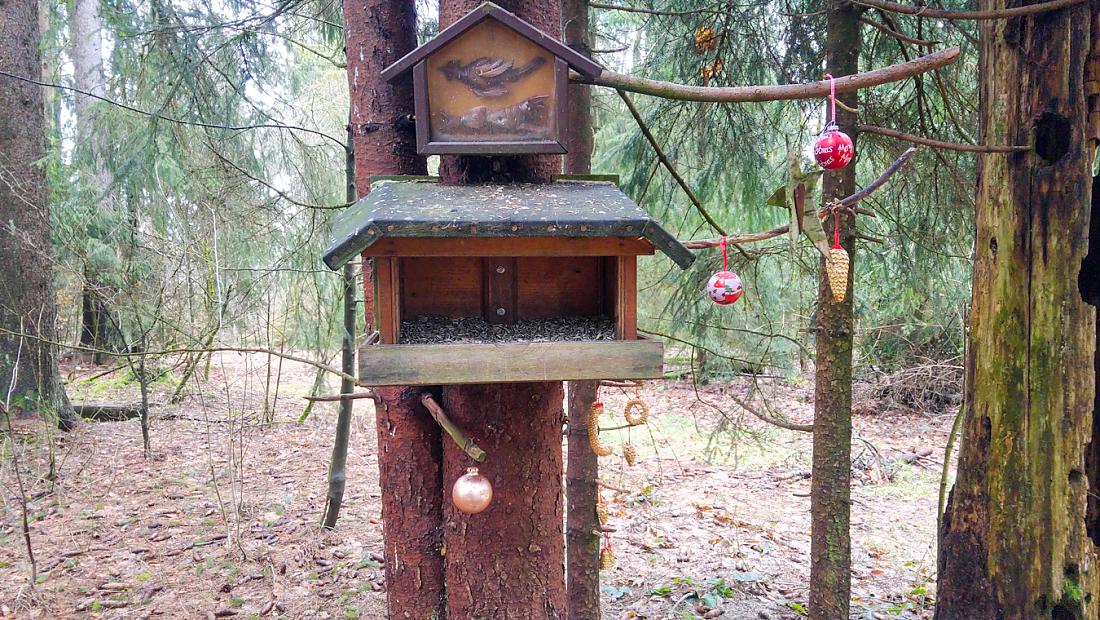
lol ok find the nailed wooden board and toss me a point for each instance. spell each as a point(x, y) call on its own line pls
point(456, 364)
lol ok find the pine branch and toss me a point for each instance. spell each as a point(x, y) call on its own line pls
point(780, 92)
point(924, 11)
point(897, 35)
point(940, 144)
point(634, 9)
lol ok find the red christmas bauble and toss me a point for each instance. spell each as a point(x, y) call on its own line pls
point(834, 149)
point(724, 288)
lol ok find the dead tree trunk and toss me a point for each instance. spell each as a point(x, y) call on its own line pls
point(1015, 539)
point(830, 495)
point(28, 361)
point(409, 445)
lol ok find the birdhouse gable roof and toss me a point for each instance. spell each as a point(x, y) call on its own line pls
point(488, 10)
point(561, 209)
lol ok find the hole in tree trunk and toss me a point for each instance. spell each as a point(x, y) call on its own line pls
point(1052, 136)
point(1061, 612)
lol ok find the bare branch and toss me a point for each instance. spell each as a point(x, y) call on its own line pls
point(465, 443)
point(924, 11)
point(635, 9)
point(940, 144)
point(897, 35)
point(781, 92)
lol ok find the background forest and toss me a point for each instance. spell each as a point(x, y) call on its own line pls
point(196, 157)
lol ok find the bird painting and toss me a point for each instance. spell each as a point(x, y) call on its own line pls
point(489, 77)
point(527, 119)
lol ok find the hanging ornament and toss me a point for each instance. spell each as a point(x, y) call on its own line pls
point(594, 430)
point(607, 558)
point(602, 513)
point(472, 492)
point(836, 265)
point(834, 148)
point(630, 453)
point(636, 412)
point(724, 287)
point(706, 39)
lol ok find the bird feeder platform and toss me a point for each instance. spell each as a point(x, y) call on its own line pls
point(521, 282)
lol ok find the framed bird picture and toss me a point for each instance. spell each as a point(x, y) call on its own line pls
point(489, 84)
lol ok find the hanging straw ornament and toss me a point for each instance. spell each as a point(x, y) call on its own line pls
point(636, 411)
point(724, 287)
point(602, 513)
point(607, 557)
point(836, 265)
point(594, 429)
point(834, 148)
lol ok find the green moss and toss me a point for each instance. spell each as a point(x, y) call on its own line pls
point(1071, 590)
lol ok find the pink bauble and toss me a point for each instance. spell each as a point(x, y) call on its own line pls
point(472, 492)
point(834, 149)
point(724, 288)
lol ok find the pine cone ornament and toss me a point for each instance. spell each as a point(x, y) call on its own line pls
point(602, 514)
point(836, 268)
point(607, 558)
point(630, 453)
point(594, 431)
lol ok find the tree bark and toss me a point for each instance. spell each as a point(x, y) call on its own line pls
point(830, 493)
point(582, 546)
point(508, 561)
point(409, 444)
point(579, 140)
point(28, 365)
point(463, 169)
point(1015, 538)
point(86, 51)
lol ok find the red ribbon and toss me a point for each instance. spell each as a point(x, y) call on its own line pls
point(725, 255)
point(836, 231)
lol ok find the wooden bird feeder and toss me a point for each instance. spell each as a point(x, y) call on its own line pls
point(496, 284)
point(490, 83)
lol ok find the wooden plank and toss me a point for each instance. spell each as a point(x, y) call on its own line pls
point(386, 289)
point(510, 246)
point(499, 290)
point(552, 287)
point(626, 316)
point(444, 286)
point(454, 364)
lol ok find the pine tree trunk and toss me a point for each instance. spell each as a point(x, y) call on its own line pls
point(86, 51)
point(28, 364)
point(1015, 543)
point(830, 494)
point(508, 561)
point(409, 444)
point(582, 545)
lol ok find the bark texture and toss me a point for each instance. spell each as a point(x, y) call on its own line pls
point(830, 494)
point(582, 528)
point(1015, 541)
point(463, 169)
point(26, 276)
point(409, 444)
point(508, 561)
point(579, 140)
point(411, 476)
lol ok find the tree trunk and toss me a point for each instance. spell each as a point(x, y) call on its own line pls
point(1015, 543)
point(582, 545)
point(28, 364)
point(546, 16)
point(582, 527)
point(86, 51)
point(830, 494)
point(409, 444)
point(508, 561)
point(337, 469)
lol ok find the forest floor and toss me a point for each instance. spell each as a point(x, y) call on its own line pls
point(221, 519)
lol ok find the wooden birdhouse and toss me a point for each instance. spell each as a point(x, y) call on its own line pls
point(490, 83)
point(496, 284)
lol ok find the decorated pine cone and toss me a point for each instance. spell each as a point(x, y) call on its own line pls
point(607, 558)
point(602, 514)
point(594, 430)
point(635, 418)
point(836, 268)
point(630, 453)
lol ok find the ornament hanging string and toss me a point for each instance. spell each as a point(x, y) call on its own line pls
point(725, 255)
point(832, 98)
point(836, 230)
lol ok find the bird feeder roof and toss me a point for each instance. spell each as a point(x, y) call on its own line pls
point(488, 10)
point(561, 209)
